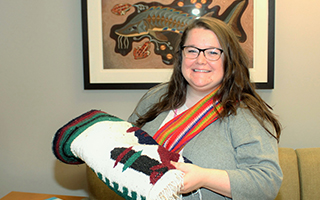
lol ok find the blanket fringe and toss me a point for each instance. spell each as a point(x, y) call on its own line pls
point(168, 187)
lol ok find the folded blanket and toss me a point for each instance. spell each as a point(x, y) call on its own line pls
point(124, 157)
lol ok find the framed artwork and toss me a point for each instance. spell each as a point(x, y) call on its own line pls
point(130, 44)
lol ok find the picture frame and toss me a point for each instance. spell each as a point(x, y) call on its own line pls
point(97, 77)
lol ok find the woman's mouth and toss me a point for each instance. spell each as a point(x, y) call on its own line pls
point(201, 70)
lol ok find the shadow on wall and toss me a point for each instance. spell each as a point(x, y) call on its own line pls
point(71, 177)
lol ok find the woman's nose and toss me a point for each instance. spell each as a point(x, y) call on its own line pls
point(201, 59)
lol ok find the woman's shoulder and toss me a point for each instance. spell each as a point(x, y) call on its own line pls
point(151, 97)
point(245, 121)
point(243, 118)
point(156, 92)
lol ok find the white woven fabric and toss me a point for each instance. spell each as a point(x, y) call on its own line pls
point(94, 147)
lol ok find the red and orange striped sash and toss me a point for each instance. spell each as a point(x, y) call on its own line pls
point(176, 133)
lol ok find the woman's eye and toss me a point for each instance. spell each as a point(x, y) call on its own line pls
point(192, 51)
point(212, 52)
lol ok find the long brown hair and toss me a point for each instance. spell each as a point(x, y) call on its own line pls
point(235, 87)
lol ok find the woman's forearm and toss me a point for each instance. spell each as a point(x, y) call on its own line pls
point(217, 180)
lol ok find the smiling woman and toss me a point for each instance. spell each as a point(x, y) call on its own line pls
point(210, 113)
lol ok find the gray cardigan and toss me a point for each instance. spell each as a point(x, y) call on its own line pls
point(237, 144)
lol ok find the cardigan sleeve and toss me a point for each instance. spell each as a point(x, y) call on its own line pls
point(258, 174)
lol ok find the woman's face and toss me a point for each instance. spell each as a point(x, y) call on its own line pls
point(202, 75)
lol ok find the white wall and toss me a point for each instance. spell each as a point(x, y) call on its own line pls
point(41, 88)
point(297, 86)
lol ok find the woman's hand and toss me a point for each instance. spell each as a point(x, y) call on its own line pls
point(196, 177)
point(193, 176)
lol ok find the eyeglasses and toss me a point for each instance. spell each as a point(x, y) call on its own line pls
point(210, 53)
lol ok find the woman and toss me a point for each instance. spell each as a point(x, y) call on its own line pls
point(232, 140)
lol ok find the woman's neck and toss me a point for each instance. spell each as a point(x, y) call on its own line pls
point(193, 96)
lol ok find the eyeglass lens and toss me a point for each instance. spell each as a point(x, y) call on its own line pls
point(210, 54)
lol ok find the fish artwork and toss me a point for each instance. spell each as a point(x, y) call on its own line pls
point(162, 25)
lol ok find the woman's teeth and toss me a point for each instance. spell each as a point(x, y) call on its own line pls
point(200, 70)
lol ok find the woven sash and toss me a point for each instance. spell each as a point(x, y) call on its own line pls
point(176, 133)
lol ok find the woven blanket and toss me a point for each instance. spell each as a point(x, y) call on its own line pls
point(124, 157)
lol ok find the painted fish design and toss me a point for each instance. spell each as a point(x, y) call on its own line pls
point(163, 25)
point(154, 21)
